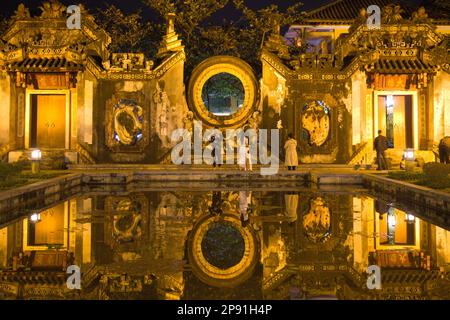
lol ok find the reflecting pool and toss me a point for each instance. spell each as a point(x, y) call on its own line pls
point(225, 243)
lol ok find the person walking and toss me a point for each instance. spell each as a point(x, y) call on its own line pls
point(290, 148)
point(381, 145)
point(444, 150)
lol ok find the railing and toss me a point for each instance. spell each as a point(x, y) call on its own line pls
point(276, 279)
point(361, 155)
point(411, 276)
point(93, 273)
point(85, 156)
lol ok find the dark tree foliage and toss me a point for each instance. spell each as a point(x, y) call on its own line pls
point(3, 24)
point(202, 35)
point(129, 33)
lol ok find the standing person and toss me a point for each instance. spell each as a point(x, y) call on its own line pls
point(444, 150)
point(245, 159)
point(290, 148)
point(381, 145)
point(216, 152)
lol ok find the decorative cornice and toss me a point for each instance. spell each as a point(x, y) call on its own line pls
point(143, 75)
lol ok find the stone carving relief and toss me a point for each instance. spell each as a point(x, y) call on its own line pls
point(280, 93)
point(52, 10)
point(22, 12)
point(127, 222)
point(126, 128)
point(188, 122)
point(162, 102)
point(128, 218)
point(254, 121)
point(391, 14)
point(169, 114)
point(127, 122)
point(128, 62)
point(420, 16)
point(316, 121)
point(317, 222)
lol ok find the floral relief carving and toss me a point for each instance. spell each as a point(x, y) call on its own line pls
point(316, 122)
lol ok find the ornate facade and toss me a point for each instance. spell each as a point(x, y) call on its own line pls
point(332, 81)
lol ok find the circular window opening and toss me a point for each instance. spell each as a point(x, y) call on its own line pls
point(223, 94)
point(223, 246)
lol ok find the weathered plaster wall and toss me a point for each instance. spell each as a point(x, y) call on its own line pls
point(164, 108)
point(5, 105)
point(358, 108)
point(283, 104)
point(441, 106)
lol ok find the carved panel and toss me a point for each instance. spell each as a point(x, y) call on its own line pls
point(126, 123)
point(128, 219)
point(316, 122)
point(317, 222)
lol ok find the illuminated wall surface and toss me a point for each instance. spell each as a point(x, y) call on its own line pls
point(70, 94)
point(170, 245)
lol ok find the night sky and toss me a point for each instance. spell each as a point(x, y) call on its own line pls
point(9, 6)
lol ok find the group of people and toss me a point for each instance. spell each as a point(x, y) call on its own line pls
point(380, 145)
point(245, 157)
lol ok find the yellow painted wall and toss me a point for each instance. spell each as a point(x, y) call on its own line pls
point(5, 105)
point(441, 106)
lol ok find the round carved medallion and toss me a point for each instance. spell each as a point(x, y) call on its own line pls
point(223, 91)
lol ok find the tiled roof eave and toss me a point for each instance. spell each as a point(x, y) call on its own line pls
point(45, 65)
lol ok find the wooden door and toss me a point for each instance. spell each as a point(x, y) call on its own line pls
point(49, 121)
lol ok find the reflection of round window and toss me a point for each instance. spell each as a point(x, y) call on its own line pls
point(223, 246)
point(223, 94)
point(221, 252)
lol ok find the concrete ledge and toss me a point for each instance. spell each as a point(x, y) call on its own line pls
point(23, 199)
point(338, 178)
point(410, 193)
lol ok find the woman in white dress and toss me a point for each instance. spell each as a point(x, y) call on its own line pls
point(245, 160)
point(290, 148)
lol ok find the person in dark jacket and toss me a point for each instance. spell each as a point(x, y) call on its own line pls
point(444, 150)
point(381, 145)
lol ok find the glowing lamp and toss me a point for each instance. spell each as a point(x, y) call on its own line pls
point(35, 217)
point(391, 220)
point(36, 155)
point(409, 155)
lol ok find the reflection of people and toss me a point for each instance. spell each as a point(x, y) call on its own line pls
point(291, 152)
point(216, 206)
point(381, 145)
point(245, 200)
point(291, 200)
point(444, 150)
point(216, 152)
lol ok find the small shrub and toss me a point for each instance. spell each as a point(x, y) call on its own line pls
point(436, 175)
point(405, 175)
point(10, 169)
point(58, 164)
point(436, 170)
